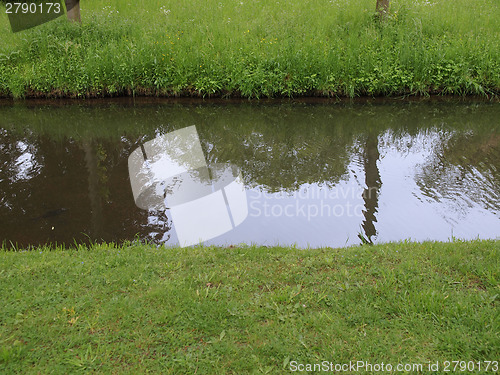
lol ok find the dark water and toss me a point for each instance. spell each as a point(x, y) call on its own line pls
point(315, 174)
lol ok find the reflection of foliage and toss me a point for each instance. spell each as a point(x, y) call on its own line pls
point(281, 147)
point(102, 171)
point(277, 146)
point(466, 163)
point(480, 150)
point(280, 156)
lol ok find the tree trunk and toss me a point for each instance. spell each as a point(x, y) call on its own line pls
point(371, 193)
point(73, 10)
point(95, 197)
point(382, 8)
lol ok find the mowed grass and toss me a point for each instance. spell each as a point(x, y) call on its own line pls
point(257, 49)
point(137, 308)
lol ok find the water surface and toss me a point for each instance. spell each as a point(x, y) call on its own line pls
point(316, 174)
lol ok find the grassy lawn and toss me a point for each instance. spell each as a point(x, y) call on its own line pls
point(138, 308)
point(257, 49)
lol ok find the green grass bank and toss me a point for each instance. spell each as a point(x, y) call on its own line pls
point(257, 49)
point(204, 310)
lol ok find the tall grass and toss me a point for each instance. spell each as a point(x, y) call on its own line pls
point(257, 48)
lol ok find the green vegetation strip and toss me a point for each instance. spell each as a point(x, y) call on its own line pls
point(257, 49)
point(208, 310)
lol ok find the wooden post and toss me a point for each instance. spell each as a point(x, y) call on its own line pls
point(73, 10)
point(382, 8)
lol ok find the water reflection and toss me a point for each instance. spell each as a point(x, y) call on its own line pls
point(204, 201)
point(326, 174)
point(464, 172)
point(94, 157)
point(373, 183)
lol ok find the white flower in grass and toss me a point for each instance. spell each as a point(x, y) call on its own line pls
point(164, 10)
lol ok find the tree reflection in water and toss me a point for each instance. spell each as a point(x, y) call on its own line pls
point(65, 167)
